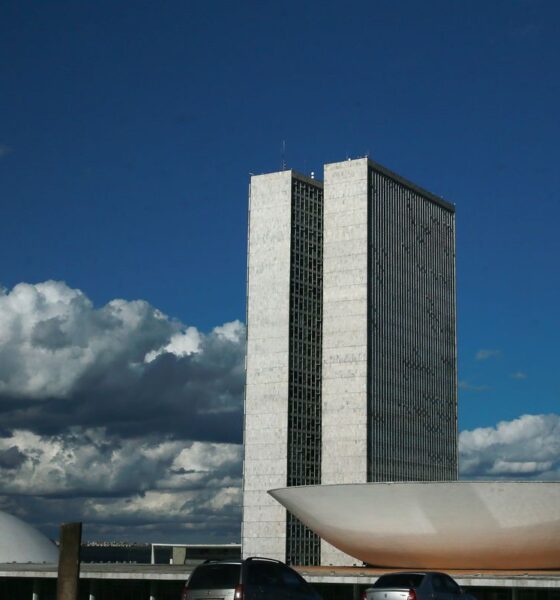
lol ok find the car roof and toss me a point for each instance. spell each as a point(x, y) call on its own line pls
point(238, 561)
point(412, 573)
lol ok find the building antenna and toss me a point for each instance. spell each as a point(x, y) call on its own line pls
point(283, 155)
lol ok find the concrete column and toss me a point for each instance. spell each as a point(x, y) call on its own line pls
point(179, 555)
point(36, 589)
point(69, 561)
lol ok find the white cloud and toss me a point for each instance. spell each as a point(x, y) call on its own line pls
point(89, 461)
point(143, 480)
point(51, 336)
point(125, 366)
point(527, 447)
point(233, 331)
point(183, 343)
point(528, 467)
point(485, 354)
point(187, 342)
point(118, 416)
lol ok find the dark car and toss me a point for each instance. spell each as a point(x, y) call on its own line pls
point(254, 578)
point(429, 585)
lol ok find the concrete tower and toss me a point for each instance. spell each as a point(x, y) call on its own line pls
point(351, 349)
point(282, 430)
point(389, 376)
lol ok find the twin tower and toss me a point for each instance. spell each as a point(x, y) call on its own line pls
point(351, 343)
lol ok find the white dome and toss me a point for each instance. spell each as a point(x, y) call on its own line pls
point(21, 543)
point(436, 525)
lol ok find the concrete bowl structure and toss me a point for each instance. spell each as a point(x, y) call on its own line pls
point(21, 543)
point(433, 525)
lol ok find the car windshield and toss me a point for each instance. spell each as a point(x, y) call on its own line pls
point(399, 580)
point(214, 577)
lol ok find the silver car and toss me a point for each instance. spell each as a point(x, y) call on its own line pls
point(428, 585)
point(254, 578)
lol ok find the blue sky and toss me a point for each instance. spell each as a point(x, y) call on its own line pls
point(128, 131)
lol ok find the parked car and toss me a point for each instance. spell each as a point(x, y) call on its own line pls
point(254, 578)
point(429, 585)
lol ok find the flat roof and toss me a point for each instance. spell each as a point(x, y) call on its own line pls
point(295, 175)
point(380, 169)
point(467, 578)
point(316, 182)
point(416, 188)
point(545, 579)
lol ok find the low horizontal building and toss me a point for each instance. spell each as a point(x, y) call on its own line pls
point(164, 582)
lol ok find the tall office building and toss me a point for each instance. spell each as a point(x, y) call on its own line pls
point(282, 431)
point(389, 390)
point(351, 357)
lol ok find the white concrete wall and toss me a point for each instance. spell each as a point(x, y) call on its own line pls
point(266, 396)
point(344, 391)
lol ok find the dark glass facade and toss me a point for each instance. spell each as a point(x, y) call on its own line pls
point(412, 392)
point(304, 401)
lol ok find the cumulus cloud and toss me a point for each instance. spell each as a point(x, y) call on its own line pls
point(485, 354)
point(118, 416)
point(183, 343)
point(135, 482)
point(527, 447)
point(51, 337)
point(11, 458)
point(125, 366)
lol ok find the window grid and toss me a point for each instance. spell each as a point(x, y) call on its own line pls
point(412, 404)
point(304, 402)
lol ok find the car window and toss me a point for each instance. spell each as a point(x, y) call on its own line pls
point(438, 583)
point(450, 585)
point(214, 577)
point(263, 574)
point(292, 580)
point(399, 580)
